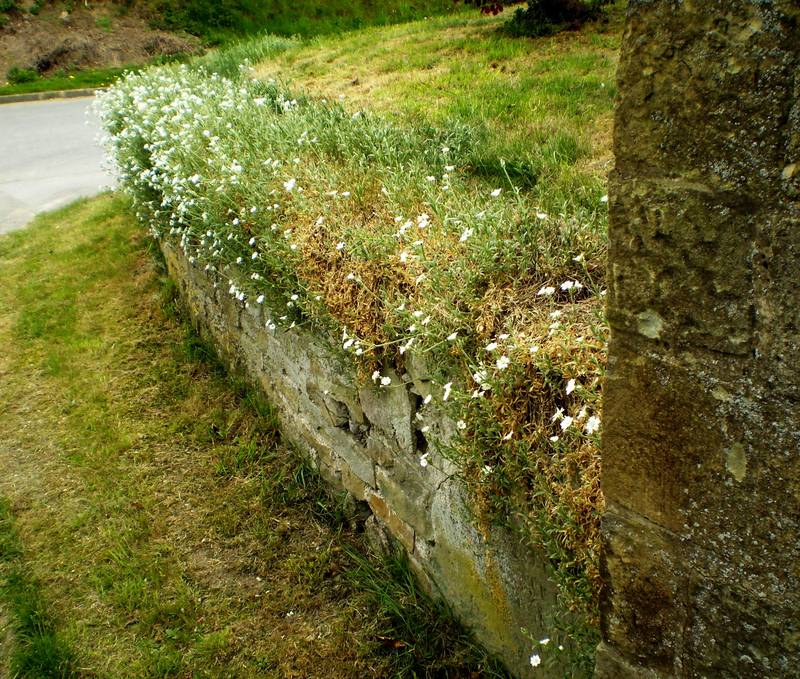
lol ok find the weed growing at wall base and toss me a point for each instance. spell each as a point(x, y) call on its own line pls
point(387, 238)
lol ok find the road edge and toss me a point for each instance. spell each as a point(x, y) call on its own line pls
point(52, 94)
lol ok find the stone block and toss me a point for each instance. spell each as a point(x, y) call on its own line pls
point(398, 528)
point(409, 494)
point(389, 410)
point(494, 583)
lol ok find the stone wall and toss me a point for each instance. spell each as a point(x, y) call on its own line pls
point(701, 450)
point(368, 441)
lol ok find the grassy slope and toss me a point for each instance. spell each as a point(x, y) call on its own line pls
point(161, 528)
point(545, 104)
point(217, 23)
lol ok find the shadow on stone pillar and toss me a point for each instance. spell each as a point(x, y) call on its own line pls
point(701, 449)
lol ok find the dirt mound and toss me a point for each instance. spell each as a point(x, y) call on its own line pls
point(87, 37)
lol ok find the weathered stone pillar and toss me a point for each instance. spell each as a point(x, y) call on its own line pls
point(701, 466)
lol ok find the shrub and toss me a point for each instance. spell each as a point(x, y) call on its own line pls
point(543, 17)
point(18, 75)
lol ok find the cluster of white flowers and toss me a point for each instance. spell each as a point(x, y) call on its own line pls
point(171, 135)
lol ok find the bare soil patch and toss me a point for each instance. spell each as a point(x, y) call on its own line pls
point(86, 37)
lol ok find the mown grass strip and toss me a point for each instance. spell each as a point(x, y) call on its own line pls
point(39, 651)
point(185, 538)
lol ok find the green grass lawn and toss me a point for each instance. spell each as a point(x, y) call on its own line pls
point(90, 78)
point(152, 522)
point(544, 104)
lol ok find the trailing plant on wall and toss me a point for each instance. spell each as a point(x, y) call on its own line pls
point(382, 237)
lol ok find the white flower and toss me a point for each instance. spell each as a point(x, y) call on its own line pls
point(375, 375)
point(348, 344)
point(482, 380)
point(570, 386)
point(534, 348)
point(452, 336)
point(579, 258)
point(541, 215)
point(508, 436)
point(604, 199)
point(449, 168)
point(491, 346)
point(386, 381)
point(260, 299)
point(592, 425)
point(536, 660)
point(559, 414)
point(340, 245)
point(423, 460)
point(496, 193)
point(553, 439)
point(461, 425)
point(289, 185)
point(427, 399)
point(565, 423)
point(503, 362)
point(544, 641)
point(430, 178)
point(447, 388)
point(465, 235)
point(546, 291)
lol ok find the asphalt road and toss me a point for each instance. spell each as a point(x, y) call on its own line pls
point(48, 158)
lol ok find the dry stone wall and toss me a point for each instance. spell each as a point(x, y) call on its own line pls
point(367, 440)
point(701, 449)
